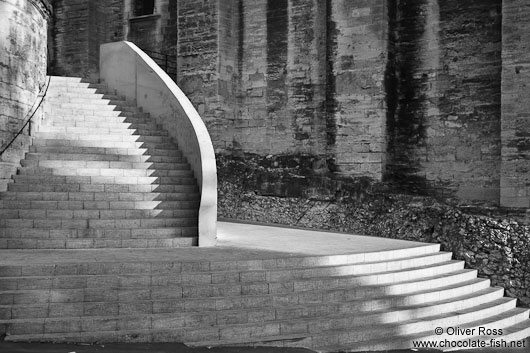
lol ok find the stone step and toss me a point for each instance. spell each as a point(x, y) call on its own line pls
point(154, 131)
point(57, 81)
point(74, 97)
point(40, 228)
point(73, 110)
point(350, 328)
point(226, 333)
point(104, 117)
point(59, 164)
point(99, 196)
point(98, 180)
point(97, 242)
point(103, 157)
point(90, 108)
point(105, 172)
point(228, 283)
point(42, 214)
point(67, 207)
point(80, 85)
point(39, 218)
point(108, 144)
point(138, 124)
point(88, 100)
point(255, 300)
point(94, 219)
point(103, 137)
point(80, 91)
point(294, 270)
point(514, 323)
point(487, 302)
point(107, 188)
point(144, 152)
point(191, 320)
point(115, 262)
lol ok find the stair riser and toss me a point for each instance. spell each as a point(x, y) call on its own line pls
point(197, 320)
point(54, 105)
point(171, 302)
point(139, 124)
point(108, 188)
point(97, 243)
point(114, 297)
point(68, 144)
point(124, 130)
point(127, 289)
point(41, 216)
point(109, 111)
point(22, 227)
point(100, 137)
point(98, 196)
point(149, 274)
point(193, 321)
point(59, 100)
point(83, 96)
point(65, 86)
point(104, 157)
point(102, 172)
point(137, 152)
point(107, 165)
point(110, 229)
point(104, 118)
point(65, 209)
point(100, 180)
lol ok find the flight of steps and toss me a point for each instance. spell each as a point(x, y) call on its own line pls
point(382, 300)
point(101, 179)
point(100, 174)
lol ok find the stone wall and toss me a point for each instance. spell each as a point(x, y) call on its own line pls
point(197, 49)
point(445, 134)
point(408, 91)
point(80, 27)
point(23, 36)
point(496, 247)
point(357, 40)
point(515, 169)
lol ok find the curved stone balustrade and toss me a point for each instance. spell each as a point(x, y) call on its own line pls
point(130, 72)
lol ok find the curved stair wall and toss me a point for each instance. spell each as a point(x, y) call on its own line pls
point(130, 72)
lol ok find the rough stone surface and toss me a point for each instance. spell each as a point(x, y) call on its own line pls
point(497, 247)
point(357, 55)
point(445, 123)
point(515, 176)
point(79, 28)
point(407, 92)
point(23, 34)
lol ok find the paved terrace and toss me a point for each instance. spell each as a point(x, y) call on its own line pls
point(235, 241)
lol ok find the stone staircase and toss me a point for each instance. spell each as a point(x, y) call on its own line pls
point(217, 296)
point(100, 174)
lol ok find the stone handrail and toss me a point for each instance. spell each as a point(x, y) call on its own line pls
point(132, 73)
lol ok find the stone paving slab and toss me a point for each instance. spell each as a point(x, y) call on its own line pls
point(235, 241)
